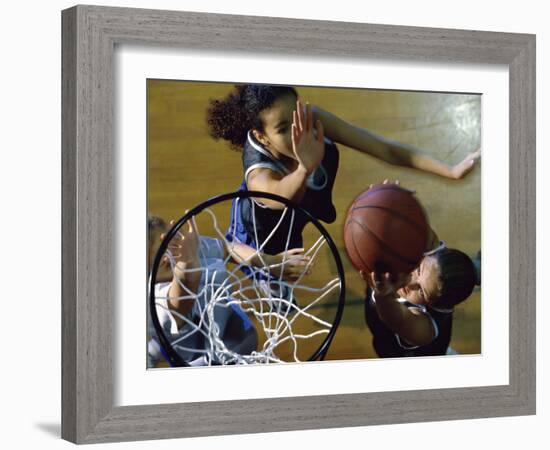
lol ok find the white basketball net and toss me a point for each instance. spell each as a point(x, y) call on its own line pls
point(201, 342)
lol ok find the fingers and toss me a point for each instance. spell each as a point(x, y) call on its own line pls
point(320, 131)
point(190, 224)
point(303, 117)
point(293, 273)
point(382, 283)
point(178, 234)
point(309, 117)
point(387, 181)
point(193, 227)
point(295, 121)
point(295, 133)
point(295, 138)
point(467, 165)
point(298, 261)
point(369, 278)
point(300, 116)
point(172, 249)
point(465, 168)
point(295, 251)
point(397, 183)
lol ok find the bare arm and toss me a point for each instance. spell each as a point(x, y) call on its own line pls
point(291, 186)
point(291, 263)
point(309, 149)
point(184, 251)
point(388, 150)
point(411, 325)
point(182, 278)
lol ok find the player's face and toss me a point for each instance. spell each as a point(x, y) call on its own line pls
point(423, 287)
point(277, 121)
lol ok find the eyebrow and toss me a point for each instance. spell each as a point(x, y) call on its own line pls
point(282, 123)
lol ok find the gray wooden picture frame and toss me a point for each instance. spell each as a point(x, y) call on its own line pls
point(90, 34)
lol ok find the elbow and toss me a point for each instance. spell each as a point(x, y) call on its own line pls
point(415, 335)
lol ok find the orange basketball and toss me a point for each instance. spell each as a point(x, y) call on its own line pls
point(386, 230)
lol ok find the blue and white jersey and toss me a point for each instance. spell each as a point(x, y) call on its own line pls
point(317, 200)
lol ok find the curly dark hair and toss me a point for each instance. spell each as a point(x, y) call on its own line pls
point(457, 277)
point(232, 117)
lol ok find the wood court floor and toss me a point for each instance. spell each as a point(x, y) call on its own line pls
point(186, 166)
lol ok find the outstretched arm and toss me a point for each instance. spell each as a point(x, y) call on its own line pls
point(291, 263)
point(291, 186)
point(391, 151)
point(184, 251)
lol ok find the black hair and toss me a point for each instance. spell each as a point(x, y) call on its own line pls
point(457, 277)
point(232, 117)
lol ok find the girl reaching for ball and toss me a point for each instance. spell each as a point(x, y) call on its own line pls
point(289, 149)
point(412, 314)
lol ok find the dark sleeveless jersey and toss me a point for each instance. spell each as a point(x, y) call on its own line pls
point(317, 200)
point(388, 344)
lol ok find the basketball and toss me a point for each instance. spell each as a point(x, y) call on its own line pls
point(386, 230)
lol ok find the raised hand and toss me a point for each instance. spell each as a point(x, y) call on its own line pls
point(183, 249)
point(397, 183)
point(465, 166)
point(183, 253)
point(307, 142)
point(385, 284)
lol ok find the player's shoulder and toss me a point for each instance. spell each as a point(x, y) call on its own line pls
point(260, 173)
point(256, 156)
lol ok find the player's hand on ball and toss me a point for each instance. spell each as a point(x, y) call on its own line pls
point(397, 183)
point(465, 166)
point(308, 142)
point(385, 284)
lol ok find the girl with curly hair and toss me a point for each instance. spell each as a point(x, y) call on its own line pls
point(290, 149)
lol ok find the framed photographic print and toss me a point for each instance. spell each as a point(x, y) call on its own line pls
point(261, 139)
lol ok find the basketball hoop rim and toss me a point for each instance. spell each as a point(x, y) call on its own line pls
point(175, 360)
